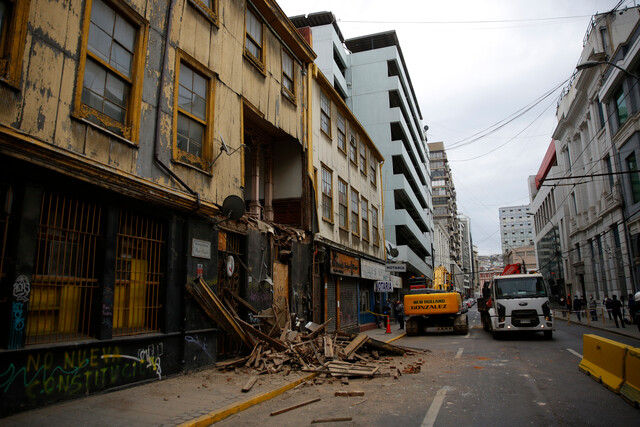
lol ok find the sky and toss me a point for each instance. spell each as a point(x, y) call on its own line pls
point(476, 65)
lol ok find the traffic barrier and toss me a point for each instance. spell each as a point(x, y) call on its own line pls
point(604, 360)
point(630, 389)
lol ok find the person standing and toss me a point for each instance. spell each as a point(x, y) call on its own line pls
point(632, 307)
point(616, 310)
point(593, 305)
point(376, 310)
point(577, 306)
point(607, 305)
point(568, 306)
point(400, 314)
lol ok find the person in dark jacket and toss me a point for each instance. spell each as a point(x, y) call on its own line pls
point(616, 310)
point(632, 308)
point(577, 306)
point(400, 314)
point(607, 305)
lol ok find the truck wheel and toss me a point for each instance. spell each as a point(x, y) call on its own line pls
point(412, 327)
point(548, 335)
point(463, 329)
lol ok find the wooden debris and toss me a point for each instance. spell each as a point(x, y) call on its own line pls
point(355, 345)
point(249, 384)
point(349, 393)
point(358, 403)
point(331, 420)
point(308, 402)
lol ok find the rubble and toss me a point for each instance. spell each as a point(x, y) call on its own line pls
point(277, 348)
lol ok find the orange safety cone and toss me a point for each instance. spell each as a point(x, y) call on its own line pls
point(388, 326)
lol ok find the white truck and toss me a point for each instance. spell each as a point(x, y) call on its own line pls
point(517, 302)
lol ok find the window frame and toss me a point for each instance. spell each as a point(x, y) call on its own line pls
point(210, 13)
point(204, 163)
point(621, 99)
point(259, 63)
point(353, 148)
point(324, 114)
point(342, 132)
point(373, 172)
point(131, 127)
point(354, 214)
point(374, 227)
point(362, 152)
point(12, 42)
point(345, 205)
point(364, 219)
point(289, 94)
point(328, 195)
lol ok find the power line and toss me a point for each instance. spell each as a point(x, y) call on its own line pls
point(499, 21)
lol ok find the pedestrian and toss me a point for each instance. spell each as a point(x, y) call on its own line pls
point(607, 305)
point(616, 310)
point(577, 306)
point(593, 304)
point(568, 306)
point(376, 309)
point(632, 307)
point(637, 306)
point(400, 314)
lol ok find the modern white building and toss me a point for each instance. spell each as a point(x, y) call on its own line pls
point(370, 73)
point(516, 227)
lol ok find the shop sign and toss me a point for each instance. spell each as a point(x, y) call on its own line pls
point(383, 286)
point(200, 249)
point(397, 267)
point(344, 264)
point(372, 270)
point(397, 282)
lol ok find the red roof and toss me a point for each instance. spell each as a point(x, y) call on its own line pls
point(548, 161)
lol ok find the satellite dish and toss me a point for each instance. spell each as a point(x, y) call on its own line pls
point(393, 252)
point(233, 207)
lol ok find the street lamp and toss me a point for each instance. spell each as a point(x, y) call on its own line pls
point(591, 64)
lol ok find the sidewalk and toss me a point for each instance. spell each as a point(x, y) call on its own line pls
point(603, 322)
point(197, 398)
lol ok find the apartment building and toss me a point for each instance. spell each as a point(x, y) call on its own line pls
point(516, 227)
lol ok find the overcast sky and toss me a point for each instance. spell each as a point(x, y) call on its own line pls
point(474, 64)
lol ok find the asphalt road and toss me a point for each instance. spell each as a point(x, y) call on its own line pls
point(471, 380)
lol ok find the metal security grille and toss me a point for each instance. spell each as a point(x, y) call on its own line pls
point(64, 285)
point(136, 305)
point(228, 245)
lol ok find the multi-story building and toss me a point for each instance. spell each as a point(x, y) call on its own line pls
point(467, 255)
point(133, 137)
point(597, 145)
point(372, 77)
point(516, 227)
point(445, 207)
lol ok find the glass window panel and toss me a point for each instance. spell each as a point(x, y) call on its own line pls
point(99, 42)
point(114, 111)
point(116, 90)
point(125, 34)
point(92, 100)
point(186, 76)
point(183, 125)
point(121, 59)
point(199, 85)
point(183, 142)
point(199, 107)
point(184, 98)
point(195, 148)
point(253, 48)
point(103, 16)
point(196, 131)
point(94, 77)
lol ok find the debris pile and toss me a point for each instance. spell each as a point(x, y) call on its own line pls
point(276, 347)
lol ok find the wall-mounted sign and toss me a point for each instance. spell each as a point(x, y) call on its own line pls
point(397, 281)
point(397, 267)
point(372, 270)
point(200, 249)
point(383, 286)
point(344, 264)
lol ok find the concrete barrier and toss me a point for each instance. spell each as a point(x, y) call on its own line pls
point(604, 360)
point(630, 389)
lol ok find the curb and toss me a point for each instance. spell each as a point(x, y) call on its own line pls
point(612, 331)
point(215, 416)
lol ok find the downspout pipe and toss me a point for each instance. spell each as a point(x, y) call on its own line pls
point(156, 136)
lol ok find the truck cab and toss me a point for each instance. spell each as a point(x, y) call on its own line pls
point(518, 302)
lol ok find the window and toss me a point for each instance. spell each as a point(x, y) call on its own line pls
point(111, 70)
point(355, 216)
point(363, 158)
point(374, 226)
point(353, 149)
point(327, 194)
point(364, 208)
point(14, 15)
point(193, 113)
point(609, 168)
point(209, 8)
point(325, 114)
point(634, 179)
point(372, 171)
point(253, 43)
point(343, 202)
point(621, 107)
point(288, 82)
point(601, 114)
point(342, 133)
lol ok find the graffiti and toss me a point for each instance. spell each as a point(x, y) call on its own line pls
point(200, 344)
point(22, 288)
point(21, 291)
point(77, 372)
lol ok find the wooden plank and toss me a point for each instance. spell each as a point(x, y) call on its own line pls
point(349, 393)
point(249, 384)
point(377, 345)
point(232, 363)
point(262, 336)
point(319, 329)
point(242, 302)
point(308, 402)
point(355, 345)
point(330, 420)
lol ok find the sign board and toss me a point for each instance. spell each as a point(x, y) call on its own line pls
point(344, 264)
point(397, 281)
point(200, 249)
point(397, 267)
point(383, 286)
point(372, 270)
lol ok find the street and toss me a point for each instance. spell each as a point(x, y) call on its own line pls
point(466, 380)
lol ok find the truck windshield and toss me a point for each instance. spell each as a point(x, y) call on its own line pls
point(522, 287)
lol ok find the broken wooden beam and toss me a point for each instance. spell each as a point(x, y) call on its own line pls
point(354, 345)
point(331, 420)
point(349, 393)
point(308, 402)
point(249, 384)
point(278, 345)
point(377, 345)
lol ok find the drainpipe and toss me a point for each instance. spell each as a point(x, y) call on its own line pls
point(156, 136)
